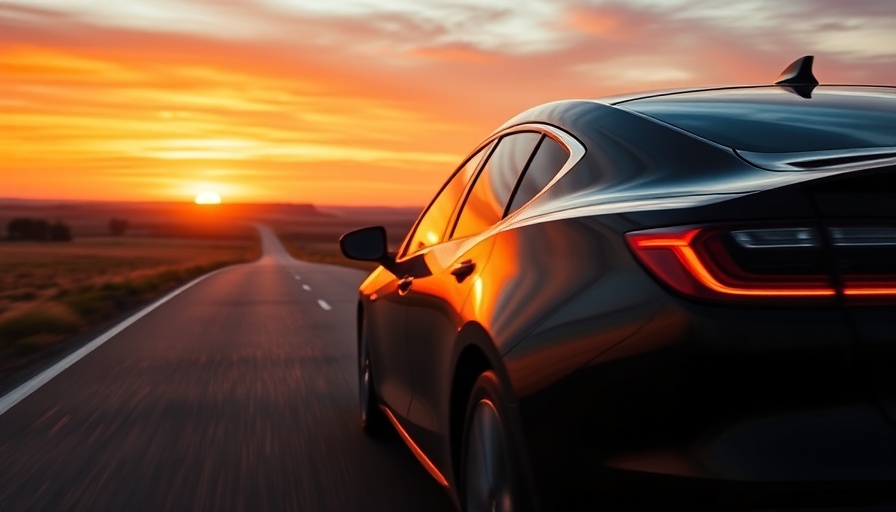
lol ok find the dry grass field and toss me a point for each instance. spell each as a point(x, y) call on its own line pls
point(51, 291)
point(318, 240)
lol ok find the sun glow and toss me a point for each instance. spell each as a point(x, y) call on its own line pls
point(123, 101)
point(207, 197)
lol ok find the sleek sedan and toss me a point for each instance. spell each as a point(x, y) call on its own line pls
point(686, 296)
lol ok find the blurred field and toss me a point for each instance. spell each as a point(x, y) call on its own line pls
point(50, 291)
point(317, 240)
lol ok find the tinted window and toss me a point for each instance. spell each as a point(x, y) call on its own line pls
point(491, 192)
point(432, 226)
point(549, 158)
point(773, 120)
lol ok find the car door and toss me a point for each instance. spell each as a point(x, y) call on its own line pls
point(434, 301)
point(387, 308)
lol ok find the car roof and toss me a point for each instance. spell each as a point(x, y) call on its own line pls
point(761, 118)
point(735, 91)
point(734, 94)
point(777, 119)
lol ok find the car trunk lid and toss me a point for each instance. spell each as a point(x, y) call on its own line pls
point(858, 213)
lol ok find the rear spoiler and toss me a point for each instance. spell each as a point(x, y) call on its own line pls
point(832, 160)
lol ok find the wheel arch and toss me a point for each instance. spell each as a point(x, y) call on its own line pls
point(476, 354)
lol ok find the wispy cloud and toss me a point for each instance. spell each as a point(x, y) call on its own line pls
point(216, 19)
point(279, 99)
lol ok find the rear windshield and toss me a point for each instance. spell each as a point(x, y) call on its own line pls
point(772, 120)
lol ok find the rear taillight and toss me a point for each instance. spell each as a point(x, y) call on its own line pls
point(790, 262)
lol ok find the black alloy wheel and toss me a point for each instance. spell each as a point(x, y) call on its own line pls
point(490, 481)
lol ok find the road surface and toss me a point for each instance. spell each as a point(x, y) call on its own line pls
point(239, 393)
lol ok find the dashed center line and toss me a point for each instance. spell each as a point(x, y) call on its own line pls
point(324, 305)
point(297, 278)
point(306, 287)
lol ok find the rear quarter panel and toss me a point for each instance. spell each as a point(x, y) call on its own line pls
point(548, 283)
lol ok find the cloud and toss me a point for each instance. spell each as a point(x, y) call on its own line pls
point(855, 37)
point(97, 101)
point(637, 72)
point(220, 19)
point(366, 91)
point(509, 26)
point(607, 22)
point(456, 53)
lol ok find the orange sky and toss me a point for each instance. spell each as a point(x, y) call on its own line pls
point(357, 102)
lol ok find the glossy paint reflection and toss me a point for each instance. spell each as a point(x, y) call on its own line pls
point(610, 370)
point(564, 315)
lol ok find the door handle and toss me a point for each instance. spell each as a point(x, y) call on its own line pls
point(463, 270)
point(405, 284)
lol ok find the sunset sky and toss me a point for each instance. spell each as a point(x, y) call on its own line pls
point(359, 101)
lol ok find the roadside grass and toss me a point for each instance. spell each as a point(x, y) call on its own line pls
point(51, 291)
point(318, 241)
point(321, 252)
point(39, 325)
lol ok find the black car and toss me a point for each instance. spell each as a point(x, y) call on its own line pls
point(685, 296)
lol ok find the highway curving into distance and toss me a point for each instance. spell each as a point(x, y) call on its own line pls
point(238, 393)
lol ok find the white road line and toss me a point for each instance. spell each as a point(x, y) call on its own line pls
point(324, 305)
point(297, 278)
point(20, 393)
point(306, 287)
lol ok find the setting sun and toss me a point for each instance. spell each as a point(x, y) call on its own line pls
point(123, 101)
point(208, 198)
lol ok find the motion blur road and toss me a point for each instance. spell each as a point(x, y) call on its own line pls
point(240, 393)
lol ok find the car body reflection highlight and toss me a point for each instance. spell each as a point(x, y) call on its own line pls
point(654, 300)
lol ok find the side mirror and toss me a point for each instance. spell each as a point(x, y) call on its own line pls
point(365, 244)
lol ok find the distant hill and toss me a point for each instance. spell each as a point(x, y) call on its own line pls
point(371, 210)
point(91, 218)
point(165, 219)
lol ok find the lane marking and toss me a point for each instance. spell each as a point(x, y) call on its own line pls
point(324, 305)
point(297, 278)
point(306, 287)
point(20, 393)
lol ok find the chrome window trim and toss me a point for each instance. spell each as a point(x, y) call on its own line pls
point(402, 252)
point(571, 144)
point(576, 153)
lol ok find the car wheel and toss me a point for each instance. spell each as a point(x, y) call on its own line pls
point(490, 480)
point(373, 421)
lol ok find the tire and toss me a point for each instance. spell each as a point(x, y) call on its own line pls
point(373, 420)
point(490, 478)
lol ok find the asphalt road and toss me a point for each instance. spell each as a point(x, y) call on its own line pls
point(239, 393)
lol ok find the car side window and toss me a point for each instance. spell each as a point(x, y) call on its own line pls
point(492, 189)
point(431, 227)
point(550, 156)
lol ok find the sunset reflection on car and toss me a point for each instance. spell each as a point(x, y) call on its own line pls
point(681, 297)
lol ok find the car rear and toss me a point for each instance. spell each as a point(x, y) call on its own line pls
point(766, 369)
point(848, 257)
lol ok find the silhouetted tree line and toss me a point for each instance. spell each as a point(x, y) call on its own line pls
point(39, 230)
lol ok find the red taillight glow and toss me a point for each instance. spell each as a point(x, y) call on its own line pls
point(681, 259)
point(854, 290)
point(696, 261)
